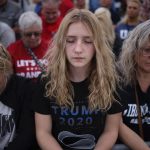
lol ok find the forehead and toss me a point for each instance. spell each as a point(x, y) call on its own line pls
point(133, 4)
point(50, 6)
point(79, 28)
point(32, 28)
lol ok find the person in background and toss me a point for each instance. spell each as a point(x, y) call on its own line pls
point(80, 4)
point(123, 7)
point(134, 66)
point(130, 20)
point(51, 18)
point(145, 10)
point(27, 53)
point(17, 121)
point(109, 5)
point(65, 6)
point(7, 34)
point(93, 5)
point(75, 104)
point(38, 5)
point(10, 12)
point(27, 5)
point(104, 16)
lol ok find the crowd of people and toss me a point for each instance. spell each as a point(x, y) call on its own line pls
point(74, 74)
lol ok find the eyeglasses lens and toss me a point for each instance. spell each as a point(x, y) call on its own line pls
point(29, 34)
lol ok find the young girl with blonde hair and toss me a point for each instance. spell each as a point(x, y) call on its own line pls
point(75, 107)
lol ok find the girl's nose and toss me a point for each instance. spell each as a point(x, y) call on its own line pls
point(78, 47)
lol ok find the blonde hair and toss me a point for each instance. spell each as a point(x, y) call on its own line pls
point(104, 16)
point(103, 77)
point(136, 39)
point(6, 68)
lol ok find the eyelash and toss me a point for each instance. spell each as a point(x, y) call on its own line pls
point(89, 42)
point(69, 41)
point(72, 41)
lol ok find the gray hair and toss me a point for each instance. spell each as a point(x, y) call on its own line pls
point(136, 39)
point(29, 18)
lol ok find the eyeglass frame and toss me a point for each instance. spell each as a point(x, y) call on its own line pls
point(30, 34)
point(145, 51)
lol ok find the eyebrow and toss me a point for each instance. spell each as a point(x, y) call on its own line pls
point(73, 36)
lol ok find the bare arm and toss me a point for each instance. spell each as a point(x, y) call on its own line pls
point(43, 132)
point(131, 139)
point(110, 134)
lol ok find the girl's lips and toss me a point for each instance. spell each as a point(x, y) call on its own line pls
point(78, 58)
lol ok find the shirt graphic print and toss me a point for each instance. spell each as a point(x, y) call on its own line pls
point(7, 125)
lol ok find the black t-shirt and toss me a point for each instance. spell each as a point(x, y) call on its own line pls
point(77, 128)
point(130, 114)
point(16, 118)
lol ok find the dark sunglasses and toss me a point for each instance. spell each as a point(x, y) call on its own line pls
point(29, 34)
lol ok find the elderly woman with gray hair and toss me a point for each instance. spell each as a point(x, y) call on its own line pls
point(27, 53)
point(16, 119)
point(134, 65)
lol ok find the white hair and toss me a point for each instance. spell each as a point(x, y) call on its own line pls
point(27, 19)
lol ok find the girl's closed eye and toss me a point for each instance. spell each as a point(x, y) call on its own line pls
point(88, 41)
point(70, 39)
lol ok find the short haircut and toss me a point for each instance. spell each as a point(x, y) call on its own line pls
point(28, 19)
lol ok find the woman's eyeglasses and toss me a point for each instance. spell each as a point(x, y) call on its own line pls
point(30, 34)
point(145, 51)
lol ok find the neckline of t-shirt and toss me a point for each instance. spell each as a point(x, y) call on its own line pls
point(80, 82)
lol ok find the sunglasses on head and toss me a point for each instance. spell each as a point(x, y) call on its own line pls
point(29, 34)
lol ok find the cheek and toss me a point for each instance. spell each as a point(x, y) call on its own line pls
point(137, 58)
point(55, 15)
point(38, 39)
point(91, 51)
point(140, 61)
point(69, 49)
point(67, 52)
point(25, 40)
point(70, 46)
